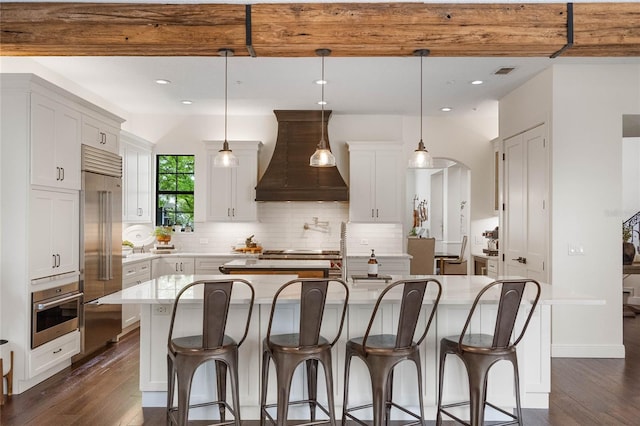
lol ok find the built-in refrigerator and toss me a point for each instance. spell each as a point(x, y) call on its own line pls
point(100, 246)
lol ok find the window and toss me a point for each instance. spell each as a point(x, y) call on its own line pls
point(174, 189)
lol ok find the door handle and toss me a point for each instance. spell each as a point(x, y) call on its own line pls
point(521, 259)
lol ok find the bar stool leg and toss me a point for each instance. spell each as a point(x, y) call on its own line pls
point(312, 386)
point(265, 384)
point(379, 380)
point(1, 383)
point(345, 397)
point(221, 381)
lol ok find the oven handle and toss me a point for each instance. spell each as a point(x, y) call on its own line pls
point(44, 306)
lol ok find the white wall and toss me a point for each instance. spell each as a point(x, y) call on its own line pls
point(583, 106)
point(466, 140)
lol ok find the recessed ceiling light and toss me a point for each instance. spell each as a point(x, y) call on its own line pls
point(163, 81)
point(187, 102)
point(446, 109)
point(477, 82)
point(321, 81)
point(322, 102)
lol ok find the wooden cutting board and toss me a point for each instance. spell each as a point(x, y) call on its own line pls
point(257, 249)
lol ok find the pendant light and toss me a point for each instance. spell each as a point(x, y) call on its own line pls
point(421, 159)
point(225, 157)
point(323, 156)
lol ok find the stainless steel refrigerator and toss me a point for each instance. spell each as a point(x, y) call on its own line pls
point(100, 246)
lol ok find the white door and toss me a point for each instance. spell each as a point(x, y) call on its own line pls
point(525, 235)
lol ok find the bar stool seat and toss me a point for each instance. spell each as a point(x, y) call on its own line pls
point(381, 353)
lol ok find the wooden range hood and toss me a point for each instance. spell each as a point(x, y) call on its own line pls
point(289, 176)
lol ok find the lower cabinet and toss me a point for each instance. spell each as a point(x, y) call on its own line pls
point(133, 274)
point(53, 353)
point(172, 265)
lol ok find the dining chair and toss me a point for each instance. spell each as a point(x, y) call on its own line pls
point(456, 266)
point(479, 351)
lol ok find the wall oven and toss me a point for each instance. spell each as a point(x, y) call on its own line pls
point(55, 313)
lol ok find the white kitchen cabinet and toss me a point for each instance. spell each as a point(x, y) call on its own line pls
point(231, 193)
point(136, 191)
point(100, 134)
point(172, 265)
point(133, 274)
point(53, 233)
point(375, 184)
point(53, 353)
point(55, 143)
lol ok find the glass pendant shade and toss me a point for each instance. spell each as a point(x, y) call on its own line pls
point(323, 156)
point(225, 157)
point(421, 159)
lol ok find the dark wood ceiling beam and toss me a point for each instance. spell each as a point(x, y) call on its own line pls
point(348, 29)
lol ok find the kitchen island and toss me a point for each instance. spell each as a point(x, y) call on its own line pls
point(156, 298)
point(300, 268)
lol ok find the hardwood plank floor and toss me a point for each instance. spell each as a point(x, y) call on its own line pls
point(104, 391)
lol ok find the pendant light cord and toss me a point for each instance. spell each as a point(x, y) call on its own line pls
point(421, 95)
point(322, 142)
point(226, 58)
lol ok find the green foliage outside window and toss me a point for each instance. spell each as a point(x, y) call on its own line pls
point(175, 179)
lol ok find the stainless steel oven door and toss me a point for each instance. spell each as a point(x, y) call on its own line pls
point(55, 312)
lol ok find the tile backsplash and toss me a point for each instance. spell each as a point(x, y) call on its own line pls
point(294, 225)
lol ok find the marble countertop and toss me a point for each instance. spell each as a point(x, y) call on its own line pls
point(277, 264)
point(456, 289)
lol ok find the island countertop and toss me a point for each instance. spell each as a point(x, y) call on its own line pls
point(456, 289)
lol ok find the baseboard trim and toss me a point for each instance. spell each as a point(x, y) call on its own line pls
point(587, 351)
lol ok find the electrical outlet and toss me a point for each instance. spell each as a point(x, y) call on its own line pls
point(576, 250)
point(161, 309)
point(364, 242)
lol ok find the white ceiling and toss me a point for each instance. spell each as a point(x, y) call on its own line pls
point(260, 85)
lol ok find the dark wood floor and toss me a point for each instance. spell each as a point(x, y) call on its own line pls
point(104, 391)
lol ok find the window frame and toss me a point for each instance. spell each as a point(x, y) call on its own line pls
point(176, 193)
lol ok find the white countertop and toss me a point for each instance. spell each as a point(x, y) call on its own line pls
point(456, 289)
point(278, 264)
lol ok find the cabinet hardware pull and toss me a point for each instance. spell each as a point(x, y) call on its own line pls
point(57, 351)
point(233, 212)
point(139, 211)
point(176, 266)
point(376, 212)
point(54, 261)
point(521, 259)
point(372, 213)
point(62, 170)
point(58, 257)
point(228, 211)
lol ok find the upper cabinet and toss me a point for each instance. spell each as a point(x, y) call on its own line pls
point(55, 143)
point(375, 186)
point(53, 233)
point(137, 191)
point(100, 134)
point(231, 192)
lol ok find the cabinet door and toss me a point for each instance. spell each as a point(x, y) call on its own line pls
point(173, 265)
point(137, 185)
point(99, 134)
point(243, 188)
point(362, 187)
point(55, 147)
point(388, 202)
point(53, 233)
point(219, 207)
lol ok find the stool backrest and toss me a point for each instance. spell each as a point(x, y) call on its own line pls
point(411, 304)
point(511, 294)
point(216, 301)
point(312, 299)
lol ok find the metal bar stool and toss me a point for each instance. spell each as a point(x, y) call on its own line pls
point(208, 343)
point(480, 352)
point(305, 344)
point(382, 352)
